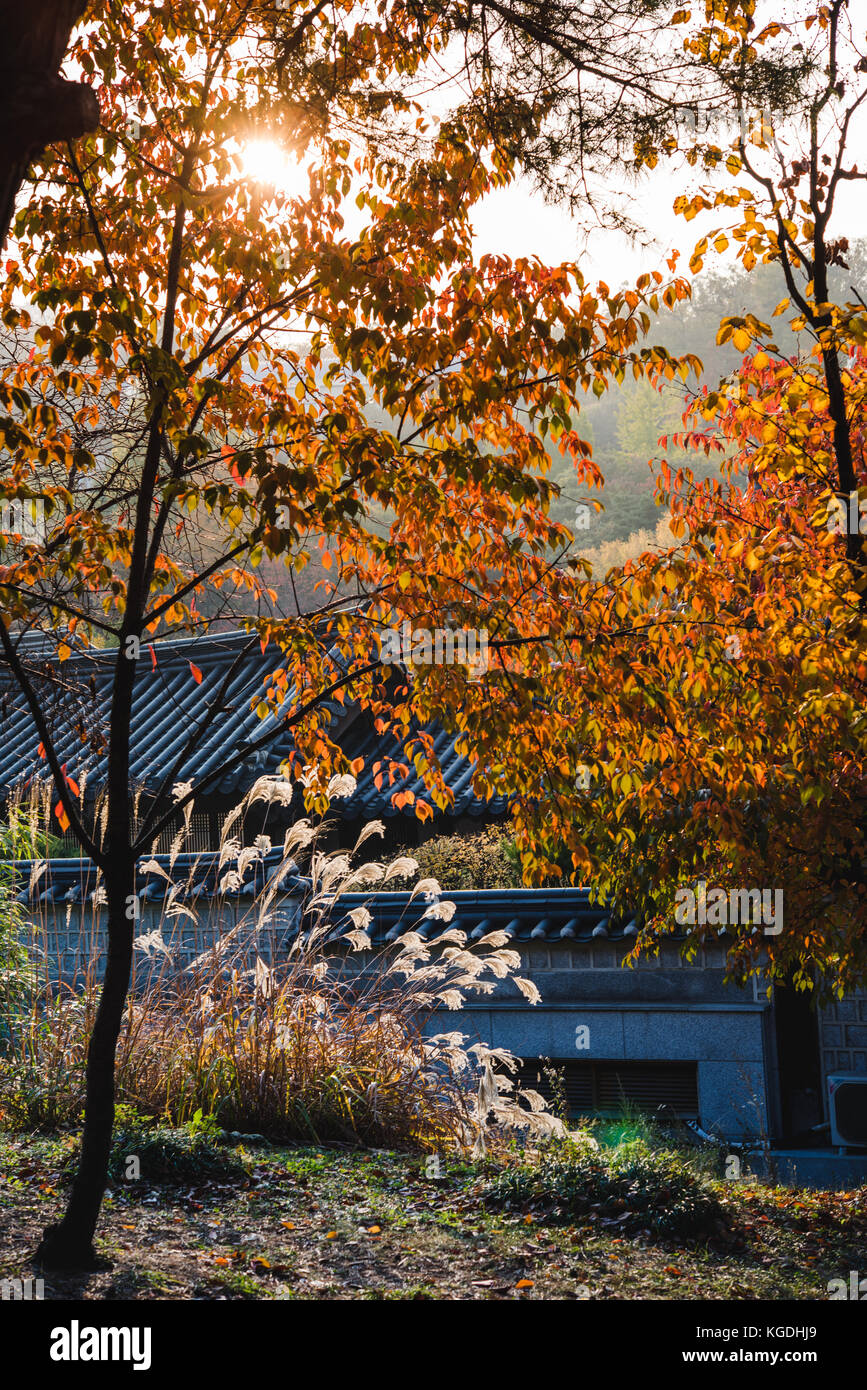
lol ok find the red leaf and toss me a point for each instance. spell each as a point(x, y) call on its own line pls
point(153, 657)
point(197, 675)
point(61, 816)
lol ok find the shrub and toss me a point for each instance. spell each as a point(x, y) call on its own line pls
point(191, 1154)
point(487, 859)
point(19, 965)
point(641, 1190)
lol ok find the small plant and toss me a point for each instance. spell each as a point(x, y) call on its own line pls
point(163, 1154)
point(639, 1189)
point(555, 1078)
point(19, 957)
point(205, 1127)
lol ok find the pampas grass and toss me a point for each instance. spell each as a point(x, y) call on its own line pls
point(311, 1040)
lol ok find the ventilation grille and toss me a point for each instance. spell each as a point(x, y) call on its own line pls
point(606, 1087)
point(200, 836)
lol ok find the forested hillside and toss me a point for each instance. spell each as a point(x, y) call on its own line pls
point(625, 424)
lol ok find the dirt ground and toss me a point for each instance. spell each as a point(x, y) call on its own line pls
point(339, 1224)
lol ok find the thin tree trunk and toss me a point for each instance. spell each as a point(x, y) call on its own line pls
point(69, 1244)
point(838, 409)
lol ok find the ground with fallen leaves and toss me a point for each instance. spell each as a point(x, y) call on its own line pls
point(340, 1224)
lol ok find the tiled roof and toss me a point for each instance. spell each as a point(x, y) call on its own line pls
point(368, 800)
point(524, 914)
point(195, 874)
point(168, 700)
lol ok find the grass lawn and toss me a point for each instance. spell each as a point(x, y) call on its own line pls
point(316, 1223)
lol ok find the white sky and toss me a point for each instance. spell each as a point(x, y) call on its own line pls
point(516, 222)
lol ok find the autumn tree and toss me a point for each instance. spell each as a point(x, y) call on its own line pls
point(711, 695)
point(158, 282)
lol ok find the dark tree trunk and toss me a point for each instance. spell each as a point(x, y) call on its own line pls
point(36, 106)
point(69, 1244)
point(838, 409)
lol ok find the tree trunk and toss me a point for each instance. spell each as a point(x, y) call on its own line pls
point(69, 1244)
point(36, 106)
point(838, 409)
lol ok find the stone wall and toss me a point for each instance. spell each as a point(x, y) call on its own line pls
point(73, 938)
point(664, 1009)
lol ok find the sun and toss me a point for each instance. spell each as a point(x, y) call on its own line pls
point(267, 162)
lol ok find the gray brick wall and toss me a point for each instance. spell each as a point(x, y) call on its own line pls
point(73, 940)
point(843, 1036)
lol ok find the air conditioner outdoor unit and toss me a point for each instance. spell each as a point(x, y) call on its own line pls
point(847, 1095)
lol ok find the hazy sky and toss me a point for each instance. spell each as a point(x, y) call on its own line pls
point(517, 222)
